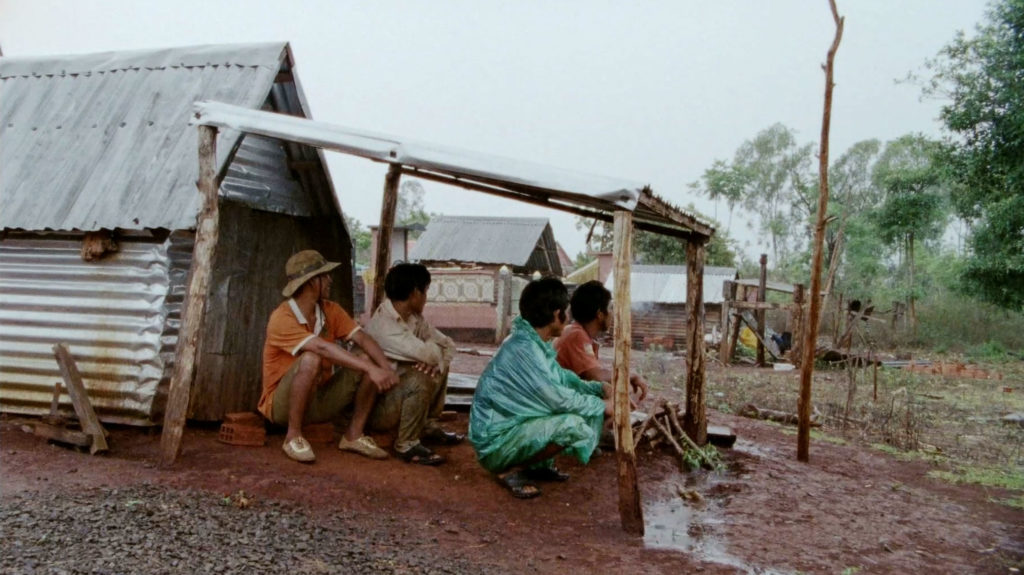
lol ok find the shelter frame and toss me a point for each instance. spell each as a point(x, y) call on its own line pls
point(627, 205)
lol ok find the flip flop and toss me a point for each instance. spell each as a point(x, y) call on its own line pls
point(546, 474)
point(420, 455)
point(519, 485)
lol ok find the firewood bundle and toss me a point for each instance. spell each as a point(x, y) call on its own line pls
point(661, 428)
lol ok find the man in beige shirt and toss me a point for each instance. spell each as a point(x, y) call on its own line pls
point(421, 352)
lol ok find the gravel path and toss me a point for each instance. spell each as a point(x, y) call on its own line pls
point(150, 530)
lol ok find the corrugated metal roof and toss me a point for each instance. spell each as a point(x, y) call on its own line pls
point(479, 239)
point(580, 193)
point(667, 284)
point(103, 140)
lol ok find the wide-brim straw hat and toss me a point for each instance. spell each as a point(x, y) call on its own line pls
point(301, 267)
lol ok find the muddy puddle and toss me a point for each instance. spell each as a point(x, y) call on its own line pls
point(686, 518)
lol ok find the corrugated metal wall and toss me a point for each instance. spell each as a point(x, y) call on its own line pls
point(119, 317)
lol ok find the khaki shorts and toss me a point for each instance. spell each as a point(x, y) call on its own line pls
point(326, 400)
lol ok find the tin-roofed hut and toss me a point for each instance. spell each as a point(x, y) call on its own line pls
point(97, 149)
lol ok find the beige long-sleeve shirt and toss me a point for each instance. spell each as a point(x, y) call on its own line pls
point(411, 339)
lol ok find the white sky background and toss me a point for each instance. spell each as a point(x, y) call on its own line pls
point(653, 91)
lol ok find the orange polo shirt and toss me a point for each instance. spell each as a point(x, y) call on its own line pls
point(577, 352)
point(288, 331)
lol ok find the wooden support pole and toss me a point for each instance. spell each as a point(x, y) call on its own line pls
point(195, 299)
point(728, 295)
point(762, 294)
point(798, 325)
point(80, 399)
point(695, 420)
point(630, 511)
point(811, 332)
point(387, 224)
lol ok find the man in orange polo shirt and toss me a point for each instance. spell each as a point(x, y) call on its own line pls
point(576, 347)
point(300, 382)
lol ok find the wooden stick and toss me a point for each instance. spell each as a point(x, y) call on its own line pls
point(80, 399)
point(674, 418)
point(811, 326)
point(387, 224)
point(630, 511)
point(55, 403)
point(638, 433)
point(672, 441)
point(195, 299)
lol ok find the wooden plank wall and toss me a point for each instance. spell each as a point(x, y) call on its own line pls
point(658, 324)
point(246, 286)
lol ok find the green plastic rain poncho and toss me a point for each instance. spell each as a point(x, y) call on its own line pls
point(524, 400)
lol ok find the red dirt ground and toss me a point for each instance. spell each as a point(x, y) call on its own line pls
point(850, 507)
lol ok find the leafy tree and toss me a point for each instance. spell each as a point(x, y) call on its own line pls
point(409, 209)
point(913, 206)
point(361, 239)
point(852, 196)
point(770, 176)
point(983, 76)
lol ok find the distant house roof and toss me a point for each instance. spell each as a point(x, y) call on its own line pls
point(769, 285)
point(585, 273)
point(517, 242)
point(667, 284)
point(103, 140)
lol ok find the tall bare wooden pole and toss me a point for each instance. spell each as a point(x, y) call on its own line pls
point(387, 225)
point(695, 421)
point(195, 299)
point(762, 295)
point(630, 511)
point(810, 334)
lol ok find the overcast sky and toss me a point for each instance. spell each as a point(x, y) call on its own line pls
point(648, 91)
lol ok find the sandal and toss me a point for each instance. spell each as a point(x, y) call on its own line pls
point(547, 474)
point(520, 485)
point(442, 437)
point(420, 455)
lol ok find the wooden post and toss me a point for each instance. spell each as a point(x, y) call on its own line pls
point(195, 299)
point(695, 420)
point(387, 224)
point(795, 354)
point(630, 511)
point(762, 294)
point(80, 399)
point(811, 332)
point(728, 295)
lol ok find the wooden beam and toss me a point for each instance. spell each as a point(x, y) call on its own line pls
point(522, 196)
point(387, 224)
point(630, 512)
point(795, 354)
point(195, 299)
point(762, 294)
point(759, 305)
point(695, 420)
point(80, 399)
point(728, 344)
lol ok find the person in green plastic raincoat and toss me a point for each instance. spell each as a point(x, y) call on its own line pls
point(527, 408)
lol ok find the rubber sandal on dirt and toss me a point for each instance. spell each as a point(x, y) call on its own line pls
point(420, 455)
point(441, 437)
point(298, 448)
point(547, 474)
point(519, 485)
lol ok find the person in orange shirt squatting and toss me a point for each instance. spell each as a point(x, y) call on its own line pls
point(307, 377)
point(576, 347)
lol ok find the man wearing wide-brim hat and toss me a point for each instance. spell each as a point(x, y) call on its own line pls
point(307, 377)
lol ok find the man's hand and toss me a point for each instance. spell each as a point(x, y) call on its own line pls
point(639, 386)
point(431, 370)
point(383, 379)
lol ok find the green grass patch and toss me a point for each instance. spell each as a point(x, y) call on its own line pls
point(1017, 502)
point(987, 476)
point(815, 435)
point(914, 455)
